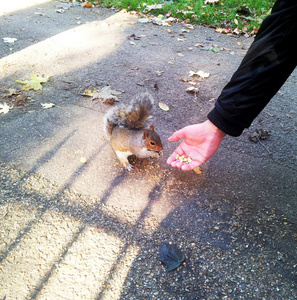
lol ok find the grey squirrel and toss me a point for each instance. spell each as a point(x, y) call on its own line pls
point(125, 128)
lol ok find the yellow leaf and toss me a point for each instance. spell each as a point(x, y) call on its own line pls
point(163, 106)
point(89, 93)
point(34, 83)
point(197, 170)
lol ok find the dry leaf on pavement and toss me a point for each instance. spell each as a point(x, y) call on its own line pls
point(107, 95)
point(163, 106)
point(47, 105)
point(89, 93)
point(192, 89)
point(9, 40)
point(4, 108)
point(34, 83)
point(197, 170)
point(10, 92)
point(200, 73)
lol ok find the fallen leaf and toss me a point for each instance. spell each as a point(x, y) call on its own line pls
point(89, 93)
point(34, 83)
point(133, 37)
point(211, 1)
point(87, 4)
point(197, 170)
point(192, 82)
point(10, 92)
point(160, 22)
point(215, 50)
point(223, 30)
point(255, 30)
point(189, 26)
point(143, 20)
point(107, 95)
point(9, 40)
point(159, 73)
point(4, 108)
point(64, 5)
point(198, 45)
point(192, 89)
point(132, 43)
point(47, 105)
point(200, 73)
point(180, 54)
point(171, 256)
point(83, 160)
point(259, 134)
point(152, 7)
point(20, 100)
point(237, 31)
point(163, 106)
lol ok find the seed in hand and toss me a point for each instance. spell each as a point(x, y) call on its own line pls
point(184, 159)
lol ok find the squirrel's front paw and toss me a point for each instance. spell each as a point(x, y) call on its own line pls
point(155, 154)
point(129, 167)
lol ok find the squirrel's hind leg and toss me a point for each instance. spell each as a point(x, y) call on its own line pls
point(123, 158)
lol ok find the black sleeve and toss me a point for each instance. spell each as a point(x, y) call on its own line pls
point(268, 63)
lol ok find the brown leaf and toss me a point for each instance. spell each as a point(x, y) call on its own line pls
point(192, 89)
point(20, 100)
point(211, 2)
point(107, 95)
point(197, 170)
point(133, 37)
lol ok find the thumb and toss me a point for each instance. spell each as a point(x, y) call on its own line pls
point(180, 134)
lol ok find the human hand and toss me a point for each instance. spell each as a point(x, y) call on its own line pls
point(200, 142)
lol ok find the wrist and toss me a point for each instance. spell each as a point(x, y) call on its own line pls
point(214, 129)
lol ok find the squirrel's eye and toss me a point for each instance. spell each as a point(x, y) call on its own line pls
point(152, 143)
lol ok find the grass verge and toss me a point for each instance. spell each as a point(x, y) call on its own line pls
point(244, 15)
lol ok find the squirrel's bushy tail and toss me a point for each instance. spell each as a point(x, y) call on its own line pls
point(133, 115)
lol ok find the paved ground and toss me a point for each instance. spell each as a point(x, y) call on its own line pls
point(74, 230)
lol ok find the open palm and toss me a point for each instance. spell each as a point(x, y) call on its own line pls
point(200, 142)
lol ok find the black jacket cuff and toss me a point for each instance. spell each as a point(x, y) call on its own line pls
point(227, 127)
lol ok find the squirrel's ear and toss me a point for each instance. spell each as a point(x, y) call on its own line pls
point(152, 127)
point(145, 134)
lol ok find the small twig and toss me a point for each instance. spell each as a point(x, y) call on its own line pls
point(264, 146)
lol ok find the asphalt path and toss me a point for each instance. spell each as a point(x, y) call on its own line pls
point(75, 225)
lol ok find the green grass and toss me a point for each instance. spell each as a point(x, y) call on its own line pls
point(224, 14)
